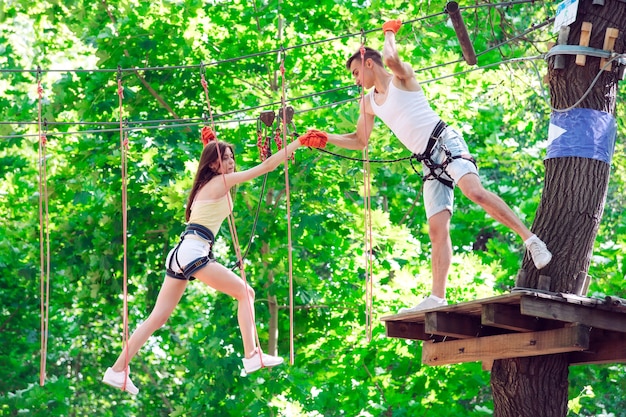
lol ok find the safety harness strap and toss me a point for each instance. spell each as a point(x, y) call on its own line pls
point(436, 171)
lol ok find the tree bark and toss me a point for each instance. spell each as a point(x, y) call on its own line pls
point(567, 219)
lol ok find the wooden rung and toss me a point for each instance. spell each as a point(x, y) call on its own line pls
point(609, 44)
point(585, 34)
point(568, 339)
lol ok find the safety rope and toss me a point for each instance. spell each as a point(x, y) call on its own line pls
point(231, 218)
point(44, 234)
point(263, 143)
point(367, 191)
point(124, 176)
point(288, 206)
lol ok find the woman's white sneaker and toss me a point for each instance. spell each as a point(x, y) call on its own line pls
point(254, 363)
point(116, 379)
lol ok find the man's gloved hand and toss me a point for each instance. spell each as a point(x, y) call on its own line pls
point(392, 25)
point(314, 138)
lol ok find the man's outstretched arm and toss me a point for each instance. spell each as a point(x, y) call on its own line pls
point(355, 140)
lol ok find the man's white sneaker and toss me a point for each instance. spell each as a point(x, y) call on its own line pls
point(116, 379)
point(539, 253)
point(254, 363)
point(427, 304)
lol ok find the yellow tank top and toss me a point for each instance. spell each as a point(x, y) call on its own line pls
point(211, 213)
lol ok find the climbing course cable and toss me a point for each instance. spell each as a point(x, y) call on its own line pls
point(124, 176)
point(44, 234)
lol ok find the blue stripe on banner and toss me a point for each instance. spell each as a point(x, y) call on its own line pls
point(585, 133)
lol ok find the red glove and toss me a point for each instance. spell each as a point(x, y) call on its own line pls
point(314, 138)
point(207, 135)
point(392, 25)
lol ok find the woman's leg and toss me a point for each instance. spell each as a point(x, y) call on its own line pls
point(169, 296)
point(224, 280)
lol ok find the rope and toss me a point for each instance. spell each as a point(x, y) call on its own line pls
point(124, 173)
point(367, 221)
point(231, 219)
point(44, 236)
point(288, 202)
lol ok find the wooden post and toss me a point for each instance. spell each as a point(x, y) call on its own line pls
point(581, 277)
point(520, 280)
point(544, 283)
point(452, 8)
point(609, 44)
point(585, 34)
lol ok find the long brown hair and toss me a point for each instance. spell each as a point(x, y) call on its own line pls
point(205, 173)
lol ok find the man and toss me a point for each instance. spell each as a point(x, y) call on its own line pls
point(399, 101)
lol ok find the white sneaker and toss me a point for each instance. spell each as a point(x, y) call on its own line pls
point(116, 379)
point(539, 253)
point(254, 363)
point(427, 304)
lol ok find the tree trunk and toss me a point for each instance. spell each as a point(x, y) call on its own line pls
point(568, 216)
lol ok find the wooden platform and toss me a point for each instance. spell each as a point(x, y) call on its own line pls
point(522, 323)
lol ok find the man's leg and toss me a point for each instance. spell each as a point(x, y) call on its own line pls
point(473, 189)
point(471, 186)
point(441, 255)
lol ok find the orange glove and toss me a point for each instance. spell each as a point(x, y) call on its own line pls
point(314, 138)
point(207, 135)
point(392, 25)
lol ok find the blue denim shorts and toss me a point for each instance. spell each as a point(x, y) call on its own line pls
point(438, 196)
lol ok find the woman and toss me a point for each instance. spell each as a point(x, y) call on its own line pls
point(208, 205)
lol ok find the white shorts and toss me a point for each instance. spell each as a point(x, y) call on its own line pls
point(191, 254)
point(438, 196)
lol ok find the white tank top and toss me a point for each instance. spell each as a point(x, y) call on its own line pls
point(408, 115)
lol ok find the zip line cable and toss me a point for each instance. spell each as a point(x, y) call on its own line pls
point(311, 95)
point(256, 54)
point(200, 122)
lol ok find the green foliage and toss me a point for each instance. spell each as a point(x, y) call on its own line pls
point(191, 367)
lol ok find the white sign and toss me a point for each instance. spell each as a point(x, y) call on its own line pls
point(565, 14)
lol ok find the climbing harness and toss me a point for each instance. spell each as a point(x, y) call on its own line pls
point(437, 170)
point(187, 270)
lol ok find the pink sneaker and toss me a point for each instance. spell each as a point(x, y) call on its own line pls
point(116, 379)
point(254, 363)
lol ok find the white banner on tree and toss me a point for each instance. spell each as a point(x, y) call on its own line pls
point(565, 14)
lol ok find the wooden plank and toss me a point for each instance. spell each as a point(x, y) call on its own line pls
point(450, 324)
point(610, 36)
point(507, 346)
point(572, 313)
point(610, 351)
point(406, 330)
point(509, 317)
point(468, 307)
point(585, 34)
